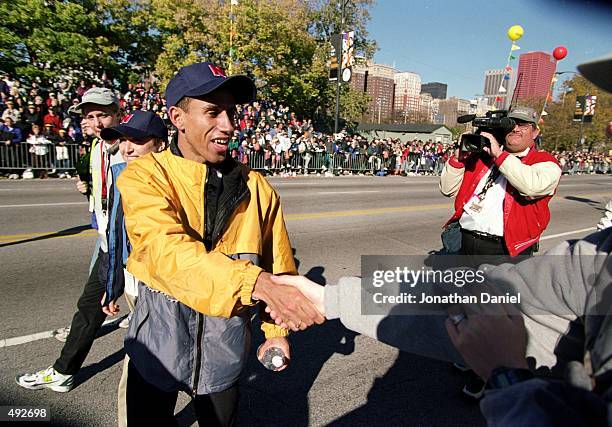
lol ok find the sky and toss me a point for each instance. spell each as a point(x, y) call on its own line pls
point(455, 41)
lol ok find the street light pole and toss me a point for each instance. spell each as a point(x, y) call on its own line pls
point(339, 69)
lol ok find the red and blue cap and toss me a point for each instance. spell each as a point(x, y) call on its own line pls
point(140, 125)
point(202, 78)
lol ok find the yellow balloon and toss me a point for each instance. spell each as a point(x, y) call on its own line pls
point(515, 32)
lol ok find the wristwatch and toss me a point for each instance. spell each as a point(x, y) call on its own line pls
point(505, 377)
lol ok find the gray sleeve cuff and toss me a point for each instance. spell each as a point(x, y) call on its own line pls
point(332, 303)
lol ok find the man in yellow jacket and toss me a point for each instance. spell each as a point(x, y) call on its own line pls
point(207, 234)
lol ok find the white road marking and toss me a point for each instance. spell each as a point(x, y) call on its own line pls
point(58, 188)
point(8, 342)
point(33, 205)
point(567, 233)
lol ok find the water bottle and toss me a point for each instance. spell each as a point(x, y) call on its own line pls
point(273, 358)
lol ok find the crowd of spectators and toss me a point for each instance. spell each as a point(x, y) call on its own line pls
point(576, 162)
point(268, 136)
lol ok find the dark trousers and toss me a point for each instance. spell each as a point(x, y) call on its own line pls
point(85, 325)
point(480, 250)
point(149, 406)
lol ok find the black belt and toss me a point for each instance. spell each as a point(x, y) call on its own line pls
point(482, 235)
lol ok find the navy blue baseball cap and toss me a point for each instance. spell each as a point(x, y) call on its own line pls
point(140, 125)
point(202, 78)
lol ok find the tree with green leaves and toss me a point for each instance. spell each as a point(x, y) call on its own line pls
point(560, 132)
point(282, 44)
point(45, 38)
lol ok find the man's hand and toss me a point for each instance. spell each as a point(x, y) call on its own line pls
point(461, 156)
point(81, 186)
point(280, 342)
point(111, 309)
point(489, 341)
point(293, 309)
point(495, 150)
point(311, 290)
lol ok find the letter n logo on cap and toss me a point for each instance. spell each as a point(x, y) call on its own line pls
point(126, 118)
point(216, 70)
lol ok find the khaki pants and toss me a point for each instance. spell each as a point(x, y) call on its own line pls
point(121, 391)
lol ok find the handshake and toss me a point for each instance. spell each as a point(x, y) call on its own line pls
point(293, 302)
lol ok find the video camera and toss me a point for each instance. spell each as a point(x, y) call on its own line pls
point(494, 122)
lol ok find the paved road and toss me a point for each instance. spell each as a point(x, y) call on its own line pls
point(336, 378)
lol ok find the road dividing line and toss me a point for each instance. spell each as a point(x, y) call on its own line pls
point(365, 212)
point(50, 235)
point(567, 233)
point(9, 342)
point(34, 205)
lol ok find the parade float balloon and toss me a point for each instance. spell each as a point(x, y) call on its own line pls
point(515, 32)
point(560, 52)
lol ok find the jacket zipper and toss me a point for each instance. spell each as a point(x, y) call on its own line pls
point(227, 213)
point(198, 361)
point(200, 329)
point(215, 236)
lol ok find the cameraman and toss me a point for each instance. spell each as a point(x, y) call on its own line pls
point(502, 196)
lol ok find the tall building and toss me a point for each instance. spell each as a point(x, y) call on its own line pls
point(377, 81)
point(479, 105)
point(494, 79)
point(425, 108)
point(535, 72)
point(358, 79)
point(407, 91)
point(437, 90)
point(436, 117)
point(452, 108)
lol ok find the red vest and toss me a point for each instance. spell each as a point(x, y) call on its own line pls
point(524, 220)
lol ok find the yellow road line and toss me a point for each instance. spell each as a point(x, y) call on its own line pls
point(363, 212)
point(52, 235)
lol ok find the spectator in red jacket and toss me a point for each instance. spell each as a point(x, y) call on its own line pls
point(53, 119)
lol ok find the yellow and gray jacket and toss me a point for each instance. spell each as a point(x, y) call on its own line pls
point(191, 330)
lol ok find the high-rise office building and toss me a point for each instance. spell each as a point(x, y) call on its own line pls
point(452, 108)
point(377, 81)
point(534, 75)
point(494, 79)
point(407, 91)
point(425, 108)
point(437, 90)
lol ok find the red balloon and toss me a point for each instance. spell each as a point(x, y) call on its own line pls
point(560, 52)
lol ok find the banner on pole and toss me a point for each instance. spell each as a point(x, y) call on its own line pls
point(335, 41)
point(343, 44)
point(585, 108)
point(348, 55)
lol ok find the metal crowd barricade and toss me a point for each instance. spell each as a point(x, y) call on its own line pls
point(338, 163)
point(24, 156)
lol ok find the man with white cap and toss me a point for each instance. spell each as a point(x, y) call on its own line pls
point(100, 109)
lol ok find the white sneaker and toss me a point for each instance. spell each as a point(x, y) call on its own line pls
point(125, 323)
point(47, 378)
